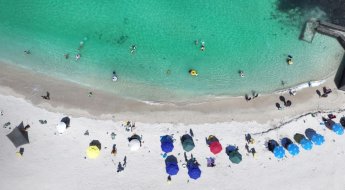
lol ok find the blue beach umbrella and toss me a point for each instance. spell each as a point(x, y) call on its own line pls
point(279, 152)
point(318, 139)
point(306, 144)
point(172, 168)
point(167, 143)
point(194, 172)
point(293, 149)
point(338, 129)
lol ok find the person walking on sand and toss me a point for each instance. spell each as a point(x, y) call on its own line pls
point(114, 150)
point(169, 179)
point(46, 97)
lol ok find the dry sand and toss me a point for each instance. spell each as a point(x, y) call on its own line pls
point(52, 161)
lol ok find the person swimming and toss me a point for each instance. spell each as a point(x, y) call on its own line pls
point(133, 49)
point(241, 73)
point(202, 46)
point(114, 76)
point(77, 57)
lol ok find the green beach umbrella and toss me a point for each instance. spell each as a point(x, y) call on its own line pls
point(235, 157)
point(187, 142)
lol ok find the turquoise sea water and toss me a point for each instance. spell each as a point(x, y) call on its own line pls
point(238, 35)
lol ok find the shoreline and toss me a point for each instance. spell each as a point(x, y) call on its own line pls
point(72, 99)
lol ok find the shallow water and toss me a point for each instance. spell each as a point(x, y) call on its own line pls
point(164, 33)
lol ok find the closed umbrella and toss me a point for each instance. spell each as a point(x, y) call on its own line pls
point(235, 157)
point(306, 144)
point(318, 139)
point(215, 147)
point(338, 129)
point(279, 152)
point(293, 149)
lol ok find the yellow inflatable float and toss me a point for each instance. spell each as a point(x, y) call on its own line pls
point(193, 72)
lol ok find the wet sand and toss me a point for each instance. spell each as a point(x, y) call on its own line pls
point(70, 98)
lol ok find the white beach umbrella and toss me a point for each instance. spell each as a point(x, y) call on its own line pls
point(134, 144)
point(61, 127)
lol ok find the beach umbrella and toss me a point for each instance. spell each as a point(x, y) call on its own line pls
point(194, 171)
point(318, 139)
point(167, 147)
point(306, 144)
point(167, 144)
point(235, 157)
point(187, 142)
point(338, 129)
point(61, 127)
point(172, 168)
point(293, 149)
point(19, 136)
point(279, 152)
point(92, 152)
point(134, 145)
point(211, 139)
point(215, 147)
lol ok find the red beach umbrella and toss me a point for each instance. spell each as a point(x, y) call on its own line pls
point(215, 147)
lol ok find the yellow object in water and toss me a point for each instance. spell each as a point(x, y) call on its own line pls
point(193, 72)
point(93, 152)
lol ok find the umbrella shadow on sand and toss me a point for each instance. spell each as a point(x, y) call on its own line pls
point(286, 142)
point(271, 144)
point(67, 121)
point(96, 143)
point(309, 133)
point(170, 159)
point(298, 137)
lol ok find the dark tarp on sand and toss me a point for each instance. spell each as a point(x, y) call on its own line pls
point(19, 136)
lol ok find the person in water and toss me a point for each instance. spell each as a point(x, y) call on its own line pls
point(81, 45)
point(133, 49)
point(27, 52)
point(77, 57)
point(202, 46)
point(114, 76)
point(66, 56)
point(241, 73)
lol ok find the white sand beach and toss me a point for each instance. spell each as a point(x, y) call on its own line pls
point(53, 161)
